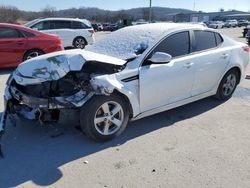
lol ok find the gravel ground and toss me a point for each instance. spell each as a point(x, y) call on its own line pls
point(203, 144)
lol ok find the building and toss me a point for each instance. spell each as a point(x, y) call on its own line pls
point(222, 15)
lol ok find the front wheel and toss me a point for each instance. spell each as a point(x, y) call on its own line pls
point(104, 117)
point(227, 85)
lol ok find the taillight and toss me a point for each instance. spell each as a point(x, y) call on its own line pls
point(246, 49)
point(91, 30)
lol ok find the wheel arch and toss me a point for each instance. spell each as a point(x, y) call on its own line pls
point(238, 71)
point(127, 102)
point(27, 51)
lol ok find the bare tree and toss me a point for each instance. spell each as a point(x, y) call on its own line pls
point(9, 14)
point(221, 9)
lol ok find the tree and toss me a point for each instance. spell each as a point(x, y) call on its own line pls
point(221, 9)
point(49, 11)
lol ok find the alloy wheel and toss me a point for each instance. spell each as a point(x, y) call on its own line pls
point(80, 43)
point(229, 84)
point(32, 55)
point(109, 118)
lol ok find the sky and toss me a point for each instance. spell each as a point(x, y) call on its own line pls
point(203, 5)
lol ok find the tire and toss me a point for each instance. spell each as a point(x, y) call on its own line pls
point(79, 42)
point(31, 54)
point(228, 85)
point(98, 115)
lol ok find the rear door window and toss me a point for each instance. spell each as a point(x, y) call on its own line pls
point(204, 40)
point(27, 34)
point(9, 33)
point(60, 24)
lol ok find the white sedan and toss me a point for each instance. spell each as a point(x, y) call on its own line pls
point(216, 24)
point(132, 73)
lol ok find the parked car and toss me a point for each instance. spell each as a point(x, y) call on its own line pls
point(245, 30)
point(106, 26)
point(18, 43)
point(243, 23)
point(97, 26)
point(113, 27)
point(216, 24)
point(134, 72)
point(231, 23)
point(248, 37)
point(74, 32)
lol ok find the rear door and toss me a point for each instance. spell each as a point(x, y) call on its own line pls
point(60, 28)
point(12, 47)
point(210, 60)
point(63, 29)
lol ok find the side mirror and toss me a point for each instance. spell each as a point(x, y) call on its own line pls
point(160, 58)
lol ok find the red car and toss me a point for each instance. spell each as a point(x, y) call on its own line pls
point(18, 43)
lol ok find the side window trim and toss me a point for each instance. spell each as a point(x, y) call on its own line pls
point(152, 49)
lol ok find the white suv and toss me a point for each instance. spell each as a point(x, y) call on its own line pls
point(231, 23)
point(74, 32)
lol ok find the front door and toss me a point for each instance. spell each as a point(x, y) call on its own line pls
point(163, 84)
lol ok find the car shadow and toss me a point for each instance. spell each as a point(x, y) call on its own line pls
point(6, 71)
point(32, 153)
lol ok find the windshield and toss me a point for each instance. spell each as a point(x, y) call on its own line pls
point(128, 42)
point(29, 24)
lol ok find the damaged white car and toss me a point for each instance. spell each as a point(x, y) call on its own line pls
point(132, 73)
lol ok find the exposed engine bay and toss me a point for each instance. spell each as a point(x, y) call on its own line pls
point(71, 91)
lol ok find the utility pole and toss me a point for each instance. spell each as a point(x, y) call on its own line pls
point(150, 11)
point(194, 6)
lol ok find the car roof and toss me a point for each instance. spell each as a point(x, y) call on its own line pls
point(16, 26)
point(21, 27)
point(63, 19)
point(159, 27)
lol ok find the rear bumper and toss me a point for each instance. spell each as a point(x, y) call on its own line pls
point(90, 40)
point(56, 48)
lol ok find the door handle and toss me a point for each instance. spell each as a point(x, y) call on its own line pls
point(20, 42)
point(224, 56)
point(188, 65)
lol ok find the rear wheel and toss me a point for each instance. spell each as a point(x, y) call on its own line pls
point(79, 42)
point(228, 85)
point(104, 117)
point(31, 54)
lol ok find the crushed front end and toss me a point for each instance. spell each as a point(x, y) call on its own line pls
point(40, 89)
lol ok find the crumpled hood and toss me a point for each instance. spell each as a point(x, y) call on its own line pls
point(56, 65)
